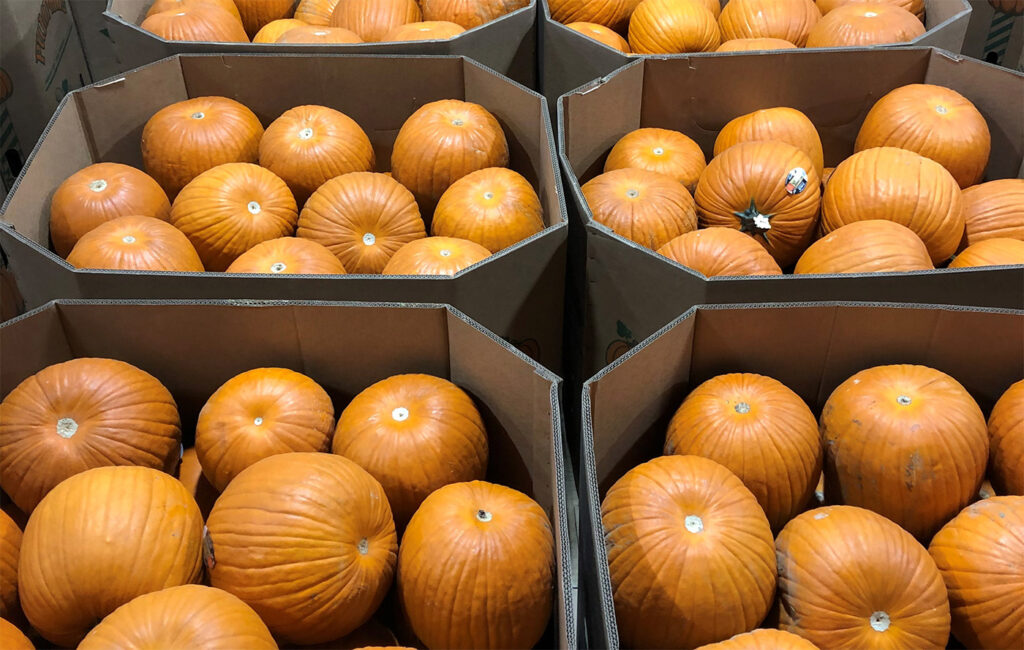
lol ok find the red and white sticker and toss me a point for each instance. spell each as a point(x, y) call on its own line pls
point(796, 181)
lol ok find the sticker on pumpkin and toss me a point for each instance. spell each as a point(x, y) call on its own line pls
point(208, 557)
point(796, 181)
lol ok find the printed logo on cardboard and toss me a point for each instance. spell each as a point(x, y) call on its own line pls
point(621, 345)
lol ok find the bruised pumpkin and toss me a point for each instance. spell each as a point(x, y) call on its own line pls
point(136, 244)
point(673, 27)
point(755, 45)
point(272, 31)
point(1000, 251)
point(432, 30)
point(196, 21)
point(288, 256)
point(659, 150)
point(783, 124)
point(865, 23)
point(469, 13)
point(875, 246)
point(720, 252)
point(648, 208)
point(373, 19)
point(789, 20)
point(494, 207)
point(602, 35)
point(10, 548)
point(435, 256)
point(995, 209)
point(1006, 436)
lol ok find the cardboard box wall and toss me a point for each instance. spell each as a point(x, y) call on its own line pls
point(995, 37)
point(517, 292)
point(193, 348)
point(630, 291)
point(809, 348)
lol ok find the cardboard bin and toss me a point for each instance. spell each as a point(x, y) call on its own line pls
point(631, 291)
point(516, 292)
point(193, 348)
point(809, 348)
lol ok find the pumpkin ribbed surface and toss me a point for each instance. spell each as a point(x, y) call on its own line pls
point(672, 27)
point(373, 19)
point(602, 35)
point(196, 21)
point(11, 638)
point(875, 246)
point(494, 207)
point(319, 34)
point(272, 31)
point(435, 256)
point(1006, 436)
point(789, 20)
point(160, 6)
point(257, 13)
point(865, 23)
point(659, 150)
point(469, 13)
point(288, 256)
point(991, 252)
point(431, 30)
point(720, 251)
point(763, 640)
point(136, 244)
point(995, 209)
point(613, 14)
point(783, 124)
point(10, 547)
point(646, 207)
point(755, 45)
point(315, 12)
point(915, 7)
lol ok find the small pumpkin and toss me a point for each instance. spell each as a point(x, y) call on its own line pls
point(995, 209)
point(1000, 251)
point(315, 12)
point(1006, 436)
point(875, 246)
point(613, 14)
point(659, 150)
point(648, 208)
point(196, 21)
point(190, 473)
point(257, 13)
point(136, 244)
point(318, 34)
point(477, 528)
point(755, 45)
point(915, 7)
point(373, 19)
point(673, 27)
point(789, 20)
point(781, 123)
point(435, 256)
point(288, 256)
point(865, 23)
point(602, 35)
point(763, 639)
point(11, 638)
point(494, 207)
point(431, 30)
point(273, 30)
point(469, 13)
point(160, 6)
point(1012, 7)
point(720, 252)
point(10, 548)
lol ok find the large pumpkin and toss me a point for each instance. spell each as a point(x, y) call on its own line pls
point(865, 23)
point(494, 207)
point(143, 533)
point(10, 547)
point(274, 30)
point(189, 616)
point(995, 209)
point(850, 579)
point(11, 638)
point(187, 138)
point(435, 256)
point(688, 547)
point(905, 441)
point(979, 554)
point(469, 13)
point(160, 6)
point(768, 190)
point(915, 7)
point(764, 639)
point(1006, 436)
point(759, 430)
point(196, 21)
point(363, 218)
point(720, 251)
point(789, 20)
point(414, 434)
point(229, 209)
point(257, 13)
point(433, 30)
point(755, 45)
point(81, 414)
point(260, 413)
point(97, 194)
point(659, 150)
point(477, 529)
point(646, 207)
point(373, 19)
point(309, 145)
point(318, 34)
point(288, 256)
point(315, 12)
point(875, 246)
point(1000, 251)
point(783, 124)
point(934, 121)
point(601, 34)
point(136, 244)
point(673, 27)
point(614, 14)
point(901, 186)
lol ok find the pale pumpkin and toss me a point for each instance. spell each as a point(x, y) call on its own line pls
point(850, 579)
point(875, 246)
point(494, 207)
point(11, 638)
point(160, 6)
point(196, 21)
point(373, 19)
point(720, 252)
point(272, 31)
point(435, 256)
point(318, 34)
point(613, 14)
point(469, 13)
point(905, 441)
point(288, 256)
point(865, 23)
point(648, 208)
point(100, 193)
point(432, 30)
point(315, 12)
point(1006, 437)
point(136, 244)
point(763, 639)
point(80, 414)
point(995, 209)
point(10, 547)
point(257, 13)
point(689, 547)
point(991, 252)
point(781, 123)
point(673, 27)
point(659, 150)
point(755, 45)
point(915, 7)
point(602, 35)
point(190, 473)
point(333, 581)
point(789, 20)
point(477, 529)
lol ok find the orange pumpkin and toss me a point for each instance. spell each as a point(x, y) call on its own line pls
point(672, 27)
point(288, 256)
point(865, 23)
point(768, 190)
point(469, 13)
point(755, 45)
point(11, 638)
point(100, 193)
point(901, 186)
point(613, 14)
point(763, 640)
point(875, 246)
point(915, 7)
point(187, 138)
point(852, 580)
point(659, 150)
point(783, 124)
point(189, 616)
point(159, 6)
point(720, 251)
point(995, 209)
point(435, 256)
point(688, 547)
point(979, 555)
point(789, 20)
point(494, 207)
point(826, 176)
point(991, 252)
point(258, 414)
point(907, 442)
point(330, 584)
point(257, 13)
point(477, 529)
point(1006, 435)
point(10, 547)
point(309, 145)
point(648, 208)
point(714, 6)
point(442, 142)
point(190, 473)
point(80, 414)
point(315, 12)
point(363, 218)
point(433, 30)
point(758, 429)
point(373, 19)
point(136, 244)
point(143, 533)
point(272, 31)
point(602, 35)
point(229, 209)
point(196, 21)
point(1012, 7)
point(319, 34)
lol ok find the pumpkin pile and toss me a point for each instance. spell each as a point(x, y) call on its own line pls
point(221, 193)
point(306, 525)
point(910, 198)
point(708, 538)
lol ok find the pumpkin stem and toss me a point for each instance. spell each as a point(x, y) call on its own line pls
point(693, 523)
point(903, 400)
point(880, 621)
point(483, 515)
point(742, 408)
point(753, 222)
point(66, 427)
point(363, 546)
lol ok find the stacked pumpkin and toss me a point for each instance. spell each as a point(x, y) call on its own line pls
point(320, 21)
point(221, 194)
point(908, 199)
point(898, 556)
point(302, 541)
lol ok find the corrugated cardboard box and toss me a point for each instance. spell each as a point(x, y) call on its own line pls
point(995, 37)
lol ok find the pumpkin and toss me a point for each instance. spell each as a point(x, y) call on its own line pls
point(1012, 7)
point(136, 244)
point(168, 5)
point(755, 45)
point(196, 21)
point(288, 256)
point(672, 27)
point(850, 579)
point(602, 35)
point(705, 580)
point(646, 207)
point(187, 138)
point(763, 640)
point(720, 252)
point(768, 190)
point(477, 529)
point(905, 441)
point(469, 13)
point(442, 142)
point(315, 12)
point(758, 429)
point(11, 638)
point(10, 547)
point(994, 209)
point(273, 30)
point(901, 186)
point(257, 414)
point(333, 581)
point(318, 34)
point(362, 218)
point(659, 150)
point(937, 123)
point(257, 13)
point(783, 124)
point(613, 14)
point(80, 414)
point(229, 209)
point(309, 145)
point(188, 616)
point(875, 246)
point(435, 256)
point(373, 19)
point(1006, 435)
point(143, 533)
point(413, 433)
point(433, 30)
point(97, 194)
point(991, 252)
point(494, 207)
point(190, 473)
point(789, 20)
point(865, 23)
point(915, 7)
